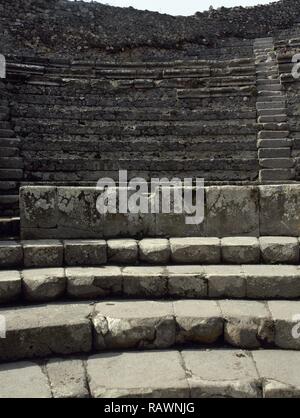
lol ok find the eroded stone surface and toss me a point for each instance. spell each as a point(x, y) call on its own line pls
point(186, 282)
point(10, 286)
point(43, 253)
point(277, 250)
point(43, 284)
point(85, 252)
point(11, 254)
point(154, 251)
point(123, 251)
point(286, 317)
point(225, 281)
point(195, 250)
point(240, 250)
point(144, 281)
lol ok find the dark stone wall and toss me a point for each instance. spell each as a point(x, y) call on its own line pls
point(61, 27)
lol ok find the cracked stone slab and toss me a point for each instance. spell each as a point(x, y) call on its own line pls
point(279, 210)
point(272, 281)
point(85, 252)
point(152, 374)
point(221, 374)
point(240, 250)
point(67, 378)
point(123, 251)
point(279, 371)
point(23, 380)
point(144, 281)
point(11, 254)
point(43, 253)
point(248, 324)
point(286, 316)
point(154, 251)
point(40, 331)
point(10, 286)
point(43, 284)
point(90, 282)
point(195, 250)
point(133, 324)
point(277, 250)
point(186, 281)
point(225, 281)
point(198, 321)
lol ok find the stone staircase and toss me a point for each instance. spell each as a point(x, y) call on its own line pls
point(171, 312)
point(274, 145)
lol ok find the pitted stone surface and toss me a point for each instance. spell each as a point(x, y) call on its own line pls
point(134, 324)
point(240, 250)
point(286, 317)
point(248, 324)
point(43, 284)
point(276, 250)
point(137, 375)
point(23, 380)
point(43, 253)
point(123, 251)
point(225, 281)
point(67, 378)
point(85, 252)
point(10, 286)
point(144, 281)
point(154, 251)
point(186, 282)
point(221, 373)
point(195, 250)
point(11, 254)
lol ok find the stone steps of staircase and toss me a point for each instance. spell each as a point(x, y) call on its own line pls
point(185, 281)
point(271, 111)
point(152, 251)
point(272, 119)
point(9, 142)
point(11, 174)
point(188, 373)
point(9, 227)
point(73, 328)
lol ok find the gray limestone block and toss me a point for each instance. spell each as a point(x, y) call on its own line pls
point(43, 253)
point(240, 250)
point(85, 252)
point(279, 250)
point(43, 284)
point(123, 251)
point(195, 250)
point(11, 254)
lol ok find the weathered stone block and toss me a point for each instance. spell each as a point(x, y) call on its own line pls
point(186, 282)
point(247, 323)
point(195, 250)
point(85, 252)
point(92, 282)
point(43, 253)
point(154, 251)
point(144, 281)
point(278, 250)
point(123, 251)
point(225, 281)
point(140, 324)
point(10, 286)
point(44, 284)
point(286, 316)
point(11, 254)
point(239, 250)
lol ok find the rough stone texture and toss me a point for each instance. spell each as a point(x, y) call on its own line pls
point(279, 210)
point(43, 284)
point(225, 281)
point(40, 331)
point(157, 374)
point(279, 371)
point(198, 321)
point(277, 250)
point(240, 250)
point(221, 374)
point(43, 253)
point(144, 281)
point(247, 324)
point(271, 282)
point(195, 250)
point(134, 324)
point(23, 380)
point(11, 254)
point(93, 282)
point(286, 316)
point(85, 252)
point(186, 282)
point(10, 286)
point(67, 378)
point(232, 210)
point(154, 251)
point(123, 251)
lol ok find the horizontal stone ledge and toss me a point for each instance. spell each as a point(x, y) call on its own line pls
point(65, 328)
point(257, 281)
point(196, 373)
point(159, 251)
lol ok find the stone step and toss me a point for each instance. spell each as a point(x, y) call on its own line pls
point(11, 162)
point(188, 373)
point(274, 152)
point(8, 186)
point(11, 174)
point(6, 133)
point(151, 251)
point(267, 81)
point(275, 143)
point(9, 142)
point(72, 328)
point(271, 175)
point(270, 87)
point(270, 111)
point(272, 126)
point(266, 134)
point(256, 281)
point(280, 104)
point(276, 162)
point(9, 227)
point(267, 92)
point(10, 152)
point(271, 99)
point(9, 201)
point(272, 118)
